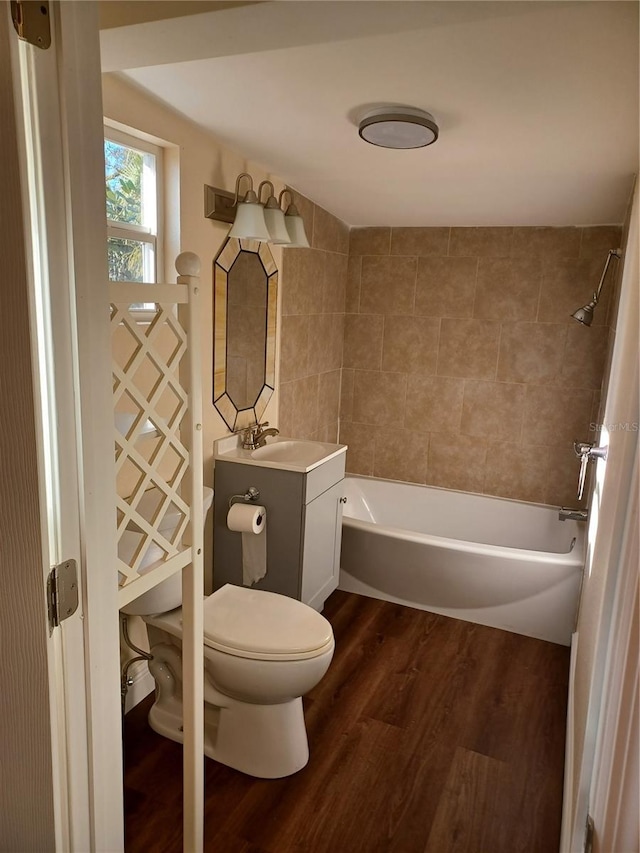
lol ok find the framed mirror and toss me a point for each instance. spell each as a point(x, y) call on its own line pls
point(245, 280)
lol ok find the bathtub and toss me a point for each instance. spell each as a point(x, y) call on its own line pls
point(496, 562)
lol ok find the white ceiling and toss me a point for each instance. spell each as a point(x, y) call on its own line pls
point(537, 102)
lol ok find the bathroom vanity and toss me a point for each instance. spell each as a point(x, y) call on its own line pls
point(301, 486)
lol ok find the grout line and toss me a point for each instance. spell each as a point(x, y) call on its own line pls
point(475, 290)
point(498, 352)
point(425, 473)
point(439, 343)
point(415, 288)
point(537, 320)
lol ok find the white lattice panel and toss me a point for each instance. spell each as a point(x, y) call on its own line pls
point(157, 395)
point(153, 432)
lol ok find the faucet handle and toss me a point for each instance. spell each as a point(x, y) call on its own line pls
point(585, 451)
point(249, 430)
point(251, 434)
point(581, 448)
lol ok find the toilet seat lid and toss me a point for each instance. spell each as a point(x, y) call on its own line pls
point(253, 622)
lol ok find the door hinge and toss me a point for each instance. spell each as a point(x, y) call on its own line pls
point(62, 592)
point(589, 832)
point(31, 21)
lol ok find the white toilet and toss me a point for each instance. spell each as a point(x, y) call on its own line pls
point(262, 653)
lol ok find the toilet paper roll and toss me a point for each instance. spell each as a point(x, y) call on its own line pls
point(246, 518)
point(251, 522)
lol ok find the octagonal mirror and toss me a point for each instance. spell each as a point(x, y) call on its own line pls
point(245, 280)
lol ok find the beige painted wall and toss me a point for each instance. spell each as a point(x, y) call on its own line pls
point(193, 158)
point(462, 367)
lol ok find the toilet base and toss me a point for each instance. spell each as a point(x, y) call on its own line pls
point(266, 741)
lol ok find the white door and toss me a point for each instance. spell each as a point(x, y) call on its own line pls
point(61, 783)
point(611, 568)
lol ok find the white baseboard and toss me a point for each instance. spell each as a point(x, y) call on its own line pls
point(143, 684)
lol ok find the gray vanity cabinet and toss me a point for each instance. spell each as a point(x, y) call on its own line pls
point(304, 527)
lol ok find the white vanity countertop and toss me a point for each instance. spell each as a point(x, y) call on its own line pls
point(285, 454)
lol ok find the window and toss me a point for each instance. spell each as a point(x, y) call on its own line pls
point(133, 170)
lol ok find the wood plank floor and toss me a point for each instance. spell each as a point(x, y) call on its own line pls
point(427, 735)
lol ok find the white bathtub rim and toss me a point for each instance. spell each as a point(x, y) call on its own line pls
point(573, 557)
point(498, 552)
point(371, 479)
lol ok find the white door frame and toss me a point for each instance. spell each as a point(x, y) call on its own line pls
point(609, 569)
point(615, 791)
point(63, 189)
point(80, 84)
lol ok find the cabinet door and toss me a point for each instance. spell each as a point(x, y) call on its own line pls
point(322, 539)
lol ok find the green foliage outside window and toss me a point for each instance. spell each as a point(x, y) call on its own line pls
point(123, 177)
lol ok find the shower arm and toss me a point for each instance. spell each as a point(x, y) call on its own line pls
point(613, 253)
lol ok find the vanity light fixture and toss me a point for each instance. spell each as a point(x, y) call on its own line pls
point(253, 221)
point(294, 223)
point(249, 223)
point(274, 217)
point(398, 127)
point(584, 315)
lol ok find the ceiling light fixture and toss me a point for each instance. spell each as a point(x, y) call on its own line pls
point(398, 127)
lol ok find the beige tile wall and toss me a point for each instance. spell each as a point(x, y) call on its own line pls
point(462, 367)
point(313, 286)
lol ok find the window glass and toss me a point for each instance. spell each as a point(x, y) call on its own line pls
point(123, 175)
point(130, 260)
point(132, 207)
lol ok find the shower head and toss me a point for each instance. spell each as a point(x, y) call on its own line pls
point(584, 315)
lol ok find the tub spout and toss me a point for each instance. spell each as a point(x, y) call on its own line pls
point(567, 514)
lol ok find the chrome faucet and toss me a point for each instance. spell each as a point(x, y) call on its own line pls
point(255, 436)
point(261, 438)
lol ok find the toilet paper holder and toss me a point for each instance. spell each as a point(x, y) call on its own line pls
point(252, 494)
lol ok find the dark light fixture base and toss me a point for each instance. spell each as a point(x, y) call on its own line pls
point(219, 205)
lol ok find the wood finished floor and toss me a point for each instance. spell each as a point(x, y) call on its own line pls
point(427, 735)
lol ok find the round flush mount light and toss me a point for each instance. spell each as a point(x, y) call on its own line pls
point(398, 127)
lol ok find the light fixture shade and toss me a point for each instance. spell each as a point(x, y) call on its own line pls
point(274, 218)
point(295, 227)
point(399, 127)
point(249, 223)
